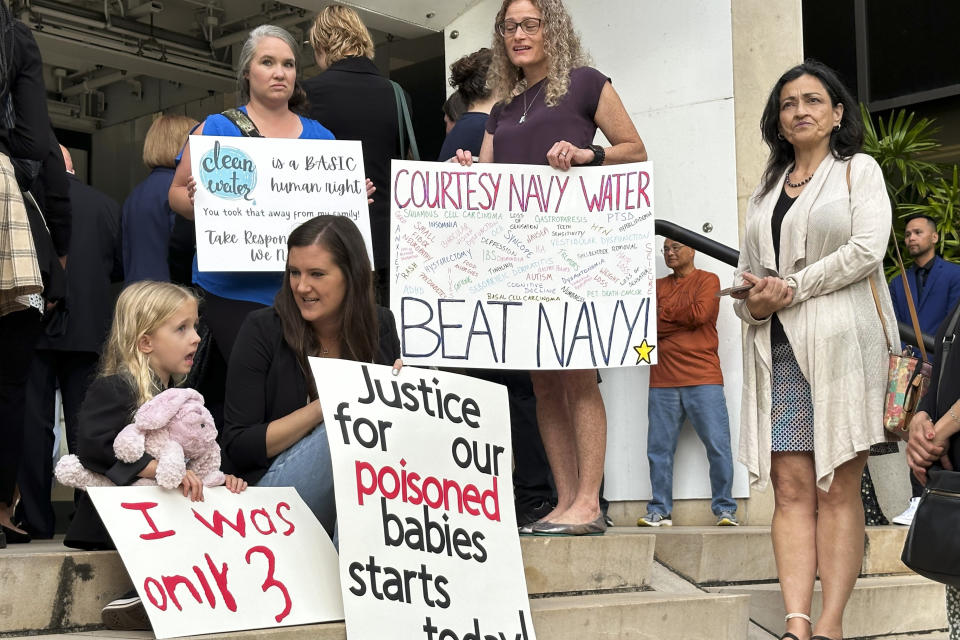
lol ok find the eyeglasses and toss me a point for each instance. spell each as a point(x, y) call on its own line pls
point(529, 25)
point(672, 248)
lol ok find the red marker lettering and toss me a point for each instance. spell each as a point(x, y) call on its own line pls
point(152, 598)
point(143, 507)
point(280, 515)
point(271, 581)
point(263, 513)
point(240, 526)
point(220, 577)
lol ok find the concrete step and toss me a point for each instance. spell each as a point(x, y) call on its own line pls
point(643, 615)
point(731, 555)
point(879, 606)
point(45, 586)
point(560, 565)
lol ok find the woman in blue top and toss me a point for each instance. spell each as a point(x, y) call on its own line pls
point(267, 81)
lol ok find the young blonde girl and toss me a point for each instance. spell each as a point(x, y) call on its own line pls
point(150, 347)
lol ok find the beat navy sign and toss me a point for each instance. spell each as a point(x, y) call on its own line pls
point(523, 266)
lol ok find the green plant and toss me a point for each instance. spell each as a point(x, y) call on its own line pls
point(915, 186)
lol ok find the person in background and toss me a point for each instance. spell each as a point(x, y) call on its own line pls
point(148, 220)
point(816, 233)
point(68, 351)
point(933, 430)
point(468, 76)
point(552, 106)
point(275, 434)
point(935, 289)
point(24, 133)
point(687, 383)
point(353, 100)
point(453, 108)
point(267, 83)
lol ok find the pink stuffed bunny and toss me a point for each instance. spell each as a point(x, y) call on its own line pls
point(174, 427)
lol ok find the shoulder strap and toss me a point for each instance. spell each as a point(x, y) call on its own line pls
point(947, 344)
point(906, 288)
point(243, 122)
point(909, 295)
point(404, 121)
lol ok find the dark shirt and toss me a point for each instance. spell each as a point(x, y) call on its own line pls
point(571, 120)
point(265, 382)
point(466, 134)
point(355, 102)
point(777, 334)
point(94, 264)
point(922, 274)
point(28, 139)
point(940, 397)
point(147, 223)
point(107, 408)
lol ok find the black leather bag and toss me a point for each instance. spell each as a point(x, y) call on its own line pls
point(932, 548)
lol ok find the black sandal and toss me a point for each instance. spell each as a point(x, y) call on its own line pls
point(819, 638)
point(790, 636)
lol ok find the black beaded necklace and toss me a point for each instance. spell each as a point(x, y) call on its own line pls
point(797, 185)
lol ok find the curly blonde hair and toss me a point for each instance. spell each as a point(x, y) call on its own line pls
point(561, 44)
point(339, 32)
point(141, 309)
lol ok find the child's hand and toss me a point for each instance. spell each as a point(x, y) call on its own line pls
point(192, 487)
point(235, 484)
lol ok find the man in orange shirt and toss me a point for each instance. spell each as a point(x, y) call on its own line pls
point(687, 383)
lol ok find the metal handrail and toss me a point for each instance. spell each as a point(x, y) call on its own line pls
point(730, 256)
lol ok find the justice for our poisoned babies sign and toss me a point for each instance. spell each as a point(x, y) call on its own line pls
point(234, 561)
point(252, 192)
point(428, 536)
point(523, 267)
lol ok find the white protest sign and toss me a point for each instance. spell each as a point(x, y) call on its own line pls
point(234, 561)
point(522, 266)
point(252, 192)
point(422, 468)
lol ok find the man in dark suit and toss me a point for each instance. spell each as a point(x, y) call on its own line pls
point(935, 289)
point(69, 349)
point(355, 102)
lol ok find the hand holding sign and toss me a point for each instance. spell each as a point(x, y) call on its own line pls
point(235, 561)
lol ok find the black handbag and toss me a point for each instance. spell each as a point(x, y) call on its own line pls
point(932, 549)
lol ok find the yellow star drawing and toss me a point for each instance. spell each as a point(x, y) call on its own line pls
point(643, 351)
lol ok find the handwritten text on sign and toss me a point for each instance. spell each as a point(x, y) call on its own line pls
point(252, 192)
point(422, 470)
point(234, 561)
point(523, 266)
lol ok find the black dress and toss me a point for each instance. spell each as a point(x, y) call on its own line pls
point(108, 407)
point(265, 382)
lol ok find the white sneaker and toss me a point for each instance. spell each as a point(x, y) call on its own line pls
point(906, 518)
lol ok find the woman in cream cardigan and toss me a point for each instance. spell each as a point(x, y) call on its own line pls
point(815, 354)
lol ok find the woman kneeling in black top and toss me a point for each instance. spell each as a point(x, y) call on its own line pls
point(274, 434)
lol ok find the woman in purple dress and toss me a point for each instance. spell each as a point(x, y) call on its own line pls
point(551, 108)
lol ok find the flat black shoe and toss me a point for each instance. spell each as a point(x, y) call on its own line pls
point(13, 536)
point(3, 540)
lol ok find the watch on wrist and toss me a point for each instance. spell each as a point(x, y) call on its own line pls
point(599, 155)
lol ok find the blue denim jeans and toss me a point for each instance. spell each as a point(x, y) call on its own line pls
point(706, 408)
point(306, 467)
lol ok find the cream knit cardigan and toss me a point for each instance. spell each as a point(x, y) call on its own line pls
point(832, 243)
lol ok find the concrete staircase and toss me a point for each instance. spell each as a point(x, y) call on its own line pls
point(597, 587)
point(888, 600)
point(681, 583)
